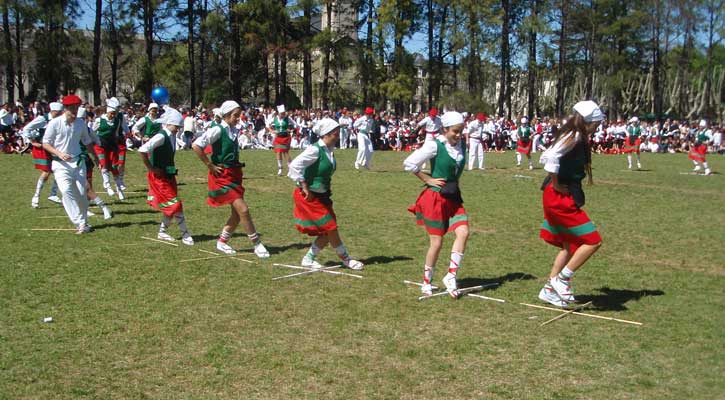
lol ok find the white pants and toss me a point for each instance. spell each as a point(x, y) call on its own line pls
point(71, 179)
point(475, 149)
point(535, 144)
point(344, 138)
point(364, 151)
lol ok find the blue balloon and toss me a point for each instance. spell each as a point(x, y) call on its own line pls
point(160, 95)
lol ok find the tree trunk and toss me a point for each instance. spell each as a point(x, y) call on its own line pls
point(656, 88)
point(236, 51)
point(712, 7)
point(307, 60)
point(439, 69)
point(265, 65)
point(276, 78)
point(504, 95)
point(10, 62)
point(561, 68)
point(532, 64)
point(202, 48)
point(283, 76)
point(190, 44)
point(20, 82)
point(429, 71)
point(96, 58)
point(326, 58)
point(148, 34)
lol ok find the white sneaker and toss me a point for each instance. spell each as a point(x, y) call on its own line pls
point(89, 214)
point(639, 166)
point(35, 202)
point(187, 239)
point(110, 191)
point(54, 199)
point(563, 288)
point(707, 171)
point(630, 166)
point(531, 166)
point(121, 196)
point(106, 212)
point(357, 166)
point(279, 172)
point(426, 289)
point(225, 248)
point(354, 264)
point(261, 251)
point(310, 263)
point(83, 228)
point(165, 236)
point(697, 168)
point(449, 281)
point(549, 295)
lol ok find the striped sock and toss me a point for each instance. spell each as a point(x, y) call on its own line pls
point(254, 237)
point(342, 253)
point(313, 251)
point(456, 259)
point(566, 274)
point(225, 236)
point(427, 274)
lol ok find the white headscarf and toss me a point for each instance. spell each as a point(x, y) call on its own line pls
point(325, 126)
point(451, 118)
point(112, 104)
point(229, 106)
point(171, 117)
point(589, 110)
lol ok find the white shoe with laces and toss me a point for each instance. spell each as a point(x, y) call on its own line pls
point(35, 202)
point(707, 171)
point(165, 236)
point(110, 191)
point(310, 263)
point(187, 239)
point(697, 168)
point(83, 228)
point(549, 295)
point(426, 289)
point(563, 288)
point(107, 212)
point(54, 199)
point(279, 172)
point(261, 251)
point(225, 248)
point(121, 196)
point(354, 264)
point(449, 281)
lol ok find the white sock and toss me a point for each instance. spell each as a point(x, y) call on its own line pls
point(704, 164)
point(225, 236)
point(694, 162)
point(342, 253)
point(629, 160)
point(427, 274)
point(106, 179)
point(566, 273)
point(518, 158)
point(254, 237)
point(279, 164)
point(456, 259)
point(313, 251)
point(99, 202)
point(165, 222)
point(39, 186)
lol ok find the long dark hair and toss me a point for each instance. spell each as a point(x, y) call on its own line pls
point(575, 123)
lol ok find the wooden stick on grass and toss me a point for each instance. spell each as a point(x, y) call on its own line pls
point(560, 316)
point(584, 314)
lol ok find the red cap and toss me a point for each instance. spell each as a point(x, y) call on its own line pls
point(433, 112)
point(369, 110)
point(481, 116)
point(71, 100)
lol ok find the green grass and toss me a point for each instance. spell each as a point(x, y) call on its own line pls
point(131, 321)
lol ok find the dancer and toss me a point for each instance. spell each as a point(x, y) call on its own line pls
point(474, 139)
point(313, 214)
point(225, 177)
point(147, 125)
point(111, 128)
point(523, 144)
point(431, 125)
point(566, 225)
point(364, 128)
point(62, 139)
point(89, 158)
point(157, 154)
point(440, 206)
point(282, 125)
point(42, 160)
point(698, 151)
point(345, 124)
point(633, 141)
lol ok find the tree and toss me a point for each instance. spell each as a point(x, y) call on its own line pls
point(9, 53)
point(96, 58)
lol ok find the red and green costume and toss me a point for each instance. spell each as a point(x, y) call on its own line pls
point(109, 152)
point(523, 144)
point(41, 158)
point(163, 193)
point(633, 140)
point(438, 213)
point(282, 139)
point(316, 217)
point(564, 220)
point(227, 187)
point(150, 127)
point(699, 149)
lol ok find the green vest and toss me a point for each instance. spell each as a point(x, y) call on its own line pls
point(163, 156)
point(571, 164)
point(443, 166)
point(702, 137)
point(108, 130)
point(281, 126)
point(525, 134)
point(319, 175)
point(150, 127)
point(634, 131)
point(225, 150)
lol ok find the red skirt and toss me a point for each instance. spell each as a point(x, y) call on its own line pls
point(41, 159)
point(282, 144)
point(163, 194)
point(107, 159)
point(631, 145)
point(564, 222)
point(437, 213)
point(226, 188)
point(522, 147)
point(697, 153)
point(314, 217)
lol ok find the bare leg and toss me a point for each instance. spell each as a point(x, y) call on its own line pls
point(582, 254)
point(560, 261)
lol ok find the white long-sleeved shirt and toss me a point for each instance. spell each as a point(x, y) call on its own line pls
point(67, 137)
point(430, 150)
point(475, 129)
point(345, 121)
point(550, 158)
point(308, 157)
point(156, 141)
point(211, 135)
point(361, 124)
point(432, 125)
point(32, 129)
point(140, 125)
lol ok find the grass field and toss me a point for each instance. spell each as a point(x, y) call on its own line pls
point(133, 321)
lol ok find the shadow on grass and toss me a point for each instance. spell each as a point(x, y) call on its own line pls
point(272, 249)
point(384, 259)
point(501, 280)
point(615, 299)
point(132, 212)
point(123, 224)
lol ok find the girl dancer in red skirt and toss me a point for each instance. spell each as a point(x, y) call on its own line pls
point(313, 214)
point(566, 225)
point(698, 151)
point(157, 155)
point(34, 131)
point(440, 207)
point(225, 177)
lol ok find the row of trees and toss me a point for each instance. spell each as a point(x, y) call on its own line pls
point(507, 56)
